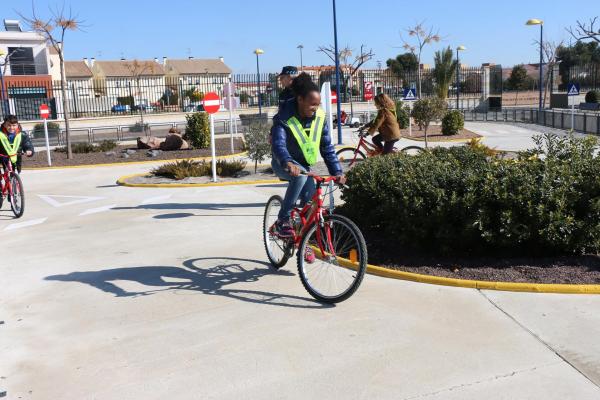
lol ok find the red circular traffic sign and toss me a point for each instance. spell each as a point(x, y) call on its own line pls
point(333, 97)
point(44, 111)
point(211, 102)
point(368, 91)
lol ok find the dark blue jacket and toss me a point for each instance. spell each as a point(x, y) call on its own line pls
point(285, 147)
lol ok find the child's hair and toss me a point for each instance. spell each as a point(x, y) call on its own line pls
point(11, 119)
point(174, 130)
point(384, 101)
point(302, 85)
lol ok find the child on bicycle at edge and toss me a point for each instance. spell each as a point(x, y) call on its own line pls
point(13, 142)
point(386, 123)
point(300, 132)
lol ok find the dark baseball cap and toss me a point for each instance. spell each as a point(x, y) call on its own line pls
point(289, 70)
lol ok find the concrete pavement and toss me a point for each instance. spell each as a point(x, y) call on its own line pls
point(124, 293)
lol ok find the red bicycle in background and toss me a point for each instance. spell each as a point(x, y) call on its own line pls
point(11, 187)
point(331, 250)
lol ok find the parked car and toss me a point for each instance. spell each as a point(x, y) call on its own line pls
point(194, 107)
point(143, 106)
point(355, 122)
point(120, 108)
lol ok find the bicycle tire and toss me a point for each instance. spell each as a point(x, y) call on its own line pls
point(409, 149)
point(346, 156)
point(277, 261)
point(17, 189)
point(357, 273)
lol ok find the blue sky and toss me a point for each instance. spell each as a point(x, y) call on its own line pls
point(492, 31)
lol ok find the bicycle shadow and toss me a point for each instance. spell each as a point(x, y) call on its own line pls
point(192, 206)
point(209, 276)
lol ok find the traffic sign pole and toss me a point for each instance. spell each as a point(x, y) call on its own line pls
point(212, 148)
point(47, 142)
point(45, 113)
point(573, 90)
point(229, 94)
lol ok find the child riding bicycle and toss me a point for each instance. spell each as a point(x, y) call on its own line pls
point(13, 142)
point(386, 123)
point(300, 132)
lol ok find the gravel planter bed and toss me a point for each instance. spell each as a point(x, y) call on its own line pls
point(434, 134)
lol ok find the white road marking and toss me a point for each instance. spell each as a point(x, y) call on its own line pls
point(156, 199)
point(54, 199)
point(97, 210)
point(24, 224)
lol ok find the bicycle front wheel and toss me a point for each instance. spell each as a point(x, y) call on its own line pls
point(278, 249)
point(17, 195)
point(332, 259)
point(347, 158)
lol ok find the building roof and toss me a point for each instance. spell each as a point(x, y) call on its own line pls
point(197, 67)
point(77, 69)
point(129, 68)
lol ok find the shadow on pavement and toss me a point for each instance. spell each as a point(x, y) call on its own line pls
point(192, 206)
point(205, 275)
point(186, 215)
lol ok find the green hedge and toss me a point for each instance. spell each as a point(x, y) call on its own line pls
point(593, 96)
point(460, 200)
point(452, 123)
point(197, 130)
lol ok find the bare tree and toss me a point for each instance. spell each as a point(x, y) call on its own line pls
point(351, 67)
point(54, 30)
point(550, 60)
point(138, 69)
point(584, 31)
point(423, 36)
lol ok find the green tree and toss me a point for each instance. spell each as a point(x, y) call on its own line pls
point(443, 71)
point(426, 111)
point(257, 142)
point(518, 80)
point(197, 131)
point(402, 64)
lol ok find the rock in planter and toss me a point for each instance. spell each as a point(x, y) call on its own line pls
point(153, 153)
point(110, 154)
point(130, 151)
point(124, 155)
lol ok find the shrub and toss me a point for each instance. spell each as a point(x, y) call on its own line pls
point(426, 111)
point(194, 95)
point(106, 145)
point(138, 127)
point(197, 131)
point(170, 99)
point(257, 142)
point(452, 123)
point(230, 167)
point(84, 148)
point(593, 96)
point(38, 130)
point(459, 200)
point(182, 169)
point(403, 114)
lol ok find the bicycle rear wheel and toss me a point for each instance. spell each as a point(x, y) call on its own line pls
point(17, 195)
point(278, 250)
point(346, 156)
point(412, 150)
point(334, 275)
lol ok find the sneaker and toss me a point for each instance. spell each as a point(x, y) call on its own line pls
point(283, 229)
point(309, 255)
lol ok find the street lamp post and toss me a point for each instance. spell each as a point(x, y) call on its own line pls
point(459, 48)
point(300, 47)
point(337, 75)
point(258, 52)
point(541, 24)
point(2, 53)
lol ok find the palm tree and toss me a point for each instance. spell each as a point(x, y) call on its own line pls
point(443, 71)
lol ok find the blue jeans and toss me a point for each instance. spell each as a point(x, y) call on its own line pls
point(301, 187)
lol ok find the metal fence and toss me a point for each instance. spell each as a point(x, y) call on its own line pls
point(106, 97)
point(582, 122)
point(587, 76)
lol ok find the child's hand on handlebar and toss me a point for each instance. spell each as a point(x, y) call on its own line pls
point(293, 169)
point(29, 153)
point(341, 179)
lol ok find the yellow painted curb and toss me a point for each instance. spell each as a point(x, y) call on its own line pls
point(473, 284)
point(125, 163)
point(438, 141)
point(122, 181)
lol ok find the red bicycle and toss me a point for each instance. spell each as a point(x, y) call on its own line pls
point(331, 250)
point(12, 187)
point(350, 155)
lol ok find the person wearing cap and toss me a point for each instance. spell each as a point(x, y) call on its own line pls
point(288, 73)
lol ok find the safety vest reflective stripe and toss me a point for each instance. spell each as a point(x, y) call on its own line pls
point(11, 149)
point(309, 143)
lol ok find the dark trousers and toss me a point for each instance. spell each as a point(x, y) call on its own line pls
point(387, 146)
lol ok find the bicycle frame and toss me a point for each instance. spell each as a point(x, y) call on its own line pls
point(312, 213)
point(5, 179)
point(369, 148)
